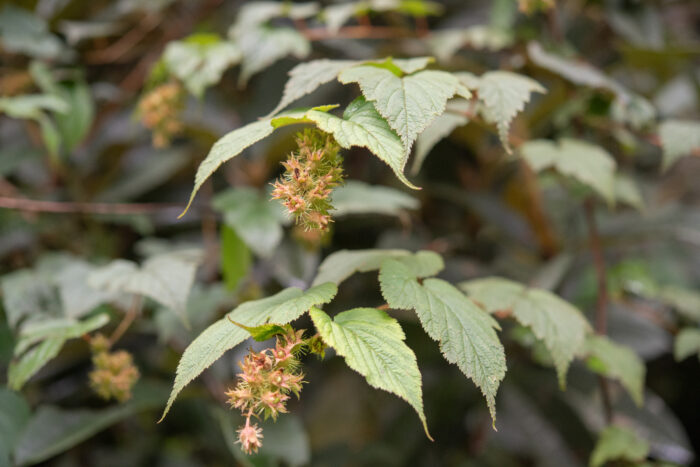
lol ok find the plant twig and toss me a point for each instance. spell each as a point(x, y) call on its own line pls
point(31, 205)
point(129, 318)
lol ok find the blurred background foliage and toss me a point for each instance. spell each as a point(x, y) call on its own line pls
point(95, 167)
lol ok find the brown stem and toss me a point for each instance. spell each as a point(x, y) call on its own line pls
point(357, 32)
point(31, 205)
point(129, 318)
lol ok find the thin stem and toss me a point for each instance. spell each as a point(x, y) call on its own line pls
point(31, 205)
point(129, 318)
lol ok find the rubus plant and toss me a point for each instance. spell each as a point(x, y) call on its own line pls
point(431, 199)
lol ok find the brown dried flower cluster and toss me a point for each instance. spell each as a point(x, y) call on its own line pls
point(115, 374)
point(310, 176)
point(160, 112)
point(532, 6)
point(265, 384)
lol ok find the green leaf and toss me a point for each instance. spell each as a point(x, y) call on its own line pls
point(166, 278)
point(618, 443)
point(616, 361)
point(31, 362)
point(686, 344)
point(76, 295)
point(560, 325)
point(409, 103)
point(53, 430)
point(504, 94)
point(75, 124)
point(264, 331)
point(444, 44)
point(678, 138)
point(684, 300)
point(627, 192)
point(344, 263)
point(372, 343)
point(254, 216)
point(439, 129)
point(356, 197)
point(585, 162)
point(27, 295)
point(200, 60)
point(24, 32)
point(362, 126)
point(14, 414)
point(235, 257)
point(466, 333)
point(31, 106)
point(223, 335)
point(264, 46)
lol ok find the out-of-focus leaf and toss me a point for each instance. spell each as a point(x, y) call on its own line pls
point(256, 13)
point(678, 138)
point(439, 129)
point(26, 293)
point(14, 414)
point(687, 343)
point(23, 32)
point(262, 47)
point(627, 192)
point(223, 335)
point(28, 364)
point(32, 105)
point(373, 344)
point(616, 361)
point(235, 257)
point(357, 197)
point(342, 264)
point(74, 125)
point(685, 301)
point(445, 43)
point(76, 295)
point(618, 443)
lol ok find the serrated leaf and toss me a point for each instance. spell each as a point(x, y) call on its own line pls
point(585, 162)
point(616, 361)
point(687, 343)
point(618, 443)
point(441, 127)
point(408, 103)
point(373, 344)
point(466, 333)
point(342, 264)
point(356, 197)
point(504, 94)
point(166, 278)
point(560, 325)
point(678, 138)
point(362, 126)
point(223, 335)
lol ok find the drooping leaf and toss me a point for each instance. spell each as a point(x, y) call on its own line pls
point(26, 294)
point(627, 192)
point(256, 13)
point(504, 94)
point(223, 335)
point(444, 44)
point(75, 124)
point(618, 362)
point(263, 46)
point(28, 33)
point(65, 328)
point(76, 295)
point(466, 333)
point(14, 414)
point(618, 443)
point(585, 162)
point(439, 129)
point(235, 257)
point(678, 138)
point(356, 197)
point(31, 362)
point(687, 343)
point(408, 103)
point(372, 343)
point(335, 16)
point(560, 325)
point(344, 263)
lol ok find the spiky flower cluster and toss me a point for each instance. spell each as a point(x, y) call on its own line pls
point(265, 383)
point(160, 112)
point(310, 176)
point(114, 374)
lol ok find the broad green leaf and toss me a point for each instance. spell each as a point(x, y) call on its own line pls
point(255, 217)
point(75, 124)
point(616, 361)
point(678, 138)
point(305, 78)
point(439, 129)
point(344, 263)
point(444, 44)
point(687, 343)
point(560, 325)
point(627, 192)
point(200, 60)
point(76, 295)
point(362, 126)
point(223, 335)
point(585, 162)
point(466, 333)
point(14, 414)
point(616, 443)
point(235, 257)
point(264, 46)
point(356, 197)
point(166, 278)
point(26, 294)
point(504, 94)
point(408, 103)
point(372, 343)
point(25, 32)
point(53, 430)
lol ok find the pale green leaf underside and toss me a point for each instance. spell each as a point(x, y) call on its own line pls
point(559, 324)
point(466, 333)
point(223, 335)
point(686, 344)
point(409, 103)
point(373, 344)
point(585, 162)
point(618, 362)
point(356, 197)
point(344, 263)
point(618, 443)
point(678, 138)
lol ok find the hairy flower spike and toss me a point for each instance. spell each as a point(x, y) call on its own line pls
point(266, 380)
point(160, 110)
point(309, 178)
point(114, 374)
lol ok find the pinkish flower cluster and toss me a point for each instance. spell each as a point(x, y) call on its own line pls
point(114, 374)
point(264, 385)
point(309, 178)
point(160, 112)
